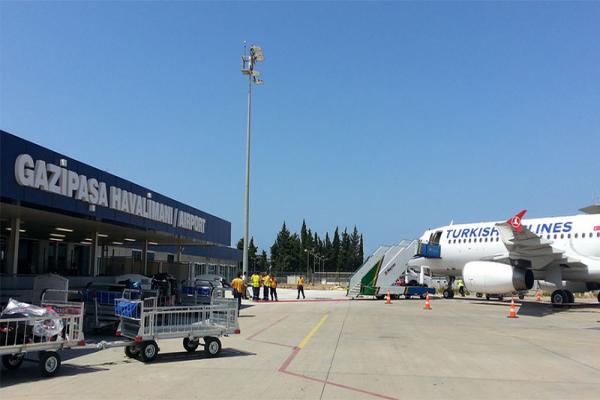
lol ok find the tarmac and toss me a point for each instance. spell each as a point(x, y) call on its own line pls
point(329, 347)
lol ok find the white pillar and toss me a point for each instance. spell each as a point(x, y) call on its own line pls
point(13, 246)
point(94, 254)
point(145, 257)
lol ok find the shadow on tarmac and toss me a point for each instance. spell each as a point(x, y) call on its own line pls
point(535, 309)
point(29, 372)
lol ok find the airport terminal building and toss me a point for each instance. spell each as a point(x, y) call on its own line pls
point(59, 215)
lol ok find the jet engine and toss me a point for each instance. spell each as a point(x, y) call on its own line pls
point(496, 278)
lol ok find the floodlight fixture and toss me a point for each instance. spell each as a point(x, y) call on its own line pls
point(256, 53)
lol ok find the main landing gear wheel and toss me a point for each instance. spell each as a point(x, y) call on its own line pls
point(149, 351)
point(132, 351)
point(212, 346)
point(570, 296)
point(448, 294)
point(12, 361)
point(190, 345)
point(49, 363)
point(479, 295)
point(559, 297)
point(598, 297)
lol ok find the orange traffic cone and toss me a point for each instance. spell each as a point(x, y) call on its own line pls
point(388, 298)
point(538, 296)
point(427, 303)
point(513, 309)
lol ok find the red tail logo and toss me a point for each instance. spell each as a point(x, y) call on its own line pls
point(515, 221)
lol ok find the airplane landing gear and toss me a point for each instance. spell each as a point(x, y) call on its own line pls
point(570, 296)
point(448, 293)
point(598, 297)
point(559, 297)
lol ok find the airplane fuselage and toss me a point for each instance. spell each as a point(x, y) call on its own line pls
point(578, 236)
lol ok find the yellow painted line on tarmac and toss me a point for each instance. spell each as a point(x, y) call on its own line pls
point(313, 331)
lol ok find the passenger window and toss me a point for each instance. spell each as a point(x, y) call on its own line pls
point(583, 235)
point(562, 235)
point(598, 234)
point(548, 237)
point(569, 236)
point(576, 236)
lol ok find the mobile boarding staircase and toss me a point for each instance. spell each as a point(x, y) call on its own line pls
point(382, 269)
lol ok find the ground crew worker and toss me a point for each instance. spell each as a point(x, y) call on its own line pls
point(239, 288)
point(255, 278)
point(461, 287)
point(274, 289)
point(300, 287)
point(267, 285)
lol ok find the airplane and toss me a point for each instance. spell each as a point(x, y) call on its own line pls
point(504, 257)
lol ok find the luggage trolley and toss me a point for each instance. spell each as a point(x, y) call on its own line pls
point(45, 334)
point(145, 322)
point(196, 292)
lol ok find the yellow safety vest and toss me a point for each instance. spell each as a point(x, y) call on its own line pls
point(255, 280)
point(267, 281)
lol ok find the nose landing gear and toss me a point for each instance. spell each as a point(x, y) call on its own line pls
point(448, 293)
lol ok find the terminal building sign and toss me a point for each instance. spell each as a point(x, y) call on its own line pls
point(38, 174)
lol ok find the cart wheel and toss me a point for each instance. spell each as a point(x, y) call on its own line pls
point(407, 296)
point(212, 346)
point(13, 361)
point(149, 351)
point(132, 351)
point(190, 345)
point(49, 363)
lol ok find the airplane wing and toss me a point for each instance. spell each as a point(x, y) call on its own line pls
point(522, 244)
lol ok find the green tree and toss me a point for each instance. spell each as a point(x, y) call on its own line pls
point(354, 250)
point(336, 249)
point(361, 251)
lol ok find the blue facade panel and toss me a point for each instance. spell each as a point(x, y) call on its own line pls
point(215, 229)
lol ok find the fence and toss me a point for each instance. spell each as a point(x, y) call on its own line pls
point(317, 278)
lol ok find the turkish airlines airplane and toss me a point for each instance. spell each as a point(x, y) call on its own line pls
point(503, 257)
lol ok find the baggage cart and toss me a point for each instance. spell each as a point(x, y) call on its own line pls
point(22, 335)
point(195, 292)
point(145, 322)
point(100, 301)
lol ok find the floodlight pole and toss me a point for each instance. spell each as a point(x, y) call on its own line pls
point(247, 182)
point(248, 63)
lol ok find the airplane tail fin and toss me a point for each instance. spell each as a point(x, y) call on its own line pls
point(515, 221)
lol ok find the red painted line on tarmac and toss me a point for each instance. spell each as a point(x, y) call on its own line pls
point(307, 301)
point(353, 389)
point(265, 328)
point(276, 344)
point(288, 361)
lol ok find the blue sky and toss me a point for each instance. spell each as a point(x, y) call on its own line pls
point(395, 117)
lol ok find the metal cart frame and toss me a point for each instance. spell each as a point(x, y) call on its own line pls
point(145, 322)
point(18, 339)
